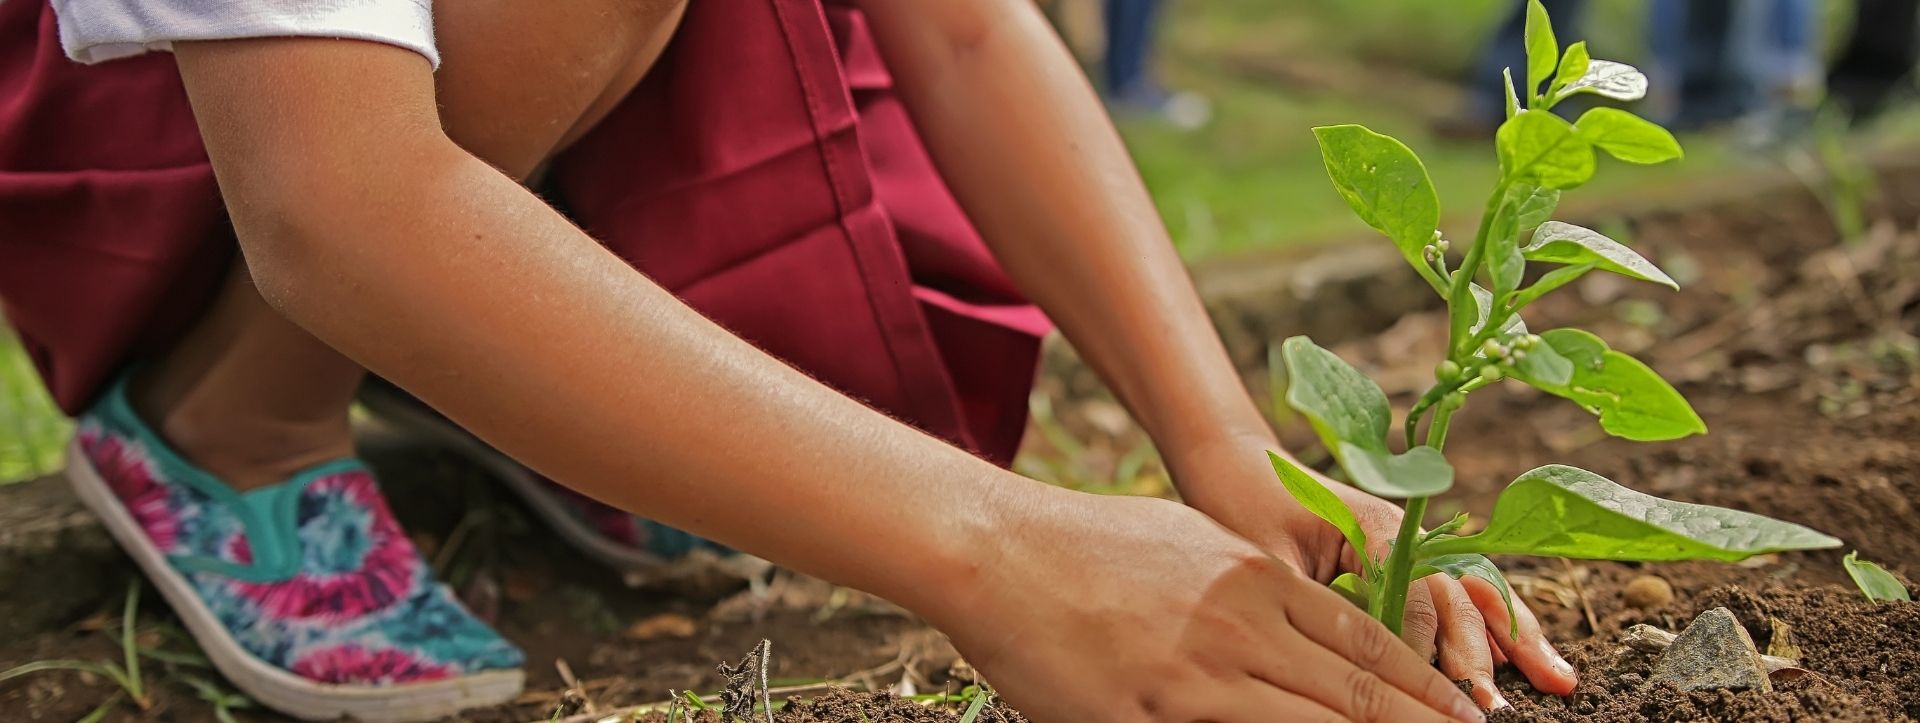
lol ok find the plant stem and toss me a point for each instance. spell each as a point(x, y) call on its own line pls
point(1470, 266)
point(1437, 432)
point(1393, 606)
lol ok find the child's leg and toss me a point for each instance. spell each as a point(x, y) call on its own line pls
point(251, 397)
point(246, 394)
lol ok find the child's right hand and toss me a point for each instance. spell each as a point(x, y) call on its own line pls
point(1119, 609)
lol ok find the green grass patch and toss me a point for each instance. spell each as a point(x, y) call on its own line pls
point(33, 432)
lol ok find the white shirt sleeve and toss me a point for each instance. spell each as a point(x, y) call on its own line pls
point(93, 31)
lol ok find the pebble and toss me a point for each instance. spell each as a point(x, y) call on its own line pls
point(1713, 653)
point(1647, 592)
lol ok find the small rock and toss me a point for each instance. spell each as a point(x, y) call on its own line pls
point(1713, 653)
point(1632, 679)
point(1647, 592)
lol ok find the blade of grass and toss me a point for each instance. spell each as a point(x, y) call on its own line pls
point(106, 706)
point(979, 704)
point(129, 646)
point(78, 666)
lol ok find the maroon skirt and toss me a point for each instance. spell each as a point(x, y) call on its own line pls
point(785, 194)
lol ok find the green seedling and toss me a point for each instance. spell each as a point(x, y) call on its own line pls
point(1874, 581)
point(1553, 510)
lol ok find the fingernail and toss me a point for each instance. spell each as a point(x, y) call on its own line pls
point(1560, 665)
point(1492, 694)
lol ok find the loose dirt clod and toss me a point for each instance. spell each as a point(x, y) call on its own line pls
point(1713, 653)
point(1648, 592)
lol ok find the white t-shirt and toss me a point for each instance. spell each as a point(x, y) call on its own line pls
point(93, 31)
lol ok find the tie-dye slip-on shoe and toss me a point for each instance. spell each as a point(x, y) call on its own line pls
point(648, 551)
point(306, 594)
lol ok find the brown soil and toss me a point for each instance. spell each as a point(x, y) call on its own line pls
point(846, 706)
point(1798, 355)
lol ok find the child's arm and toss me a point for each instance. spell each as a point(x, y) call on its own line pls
point(1026, 147)
point(363, 223)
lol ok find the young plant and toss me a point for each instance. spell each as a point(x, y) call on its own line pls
point(1873, 580)
point(1553, 510)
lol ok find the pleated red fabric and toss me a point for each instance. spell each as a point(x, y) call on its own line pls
point(764, 171)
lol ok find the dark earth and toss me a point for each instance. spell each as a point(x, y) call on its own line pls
point(1798, 350)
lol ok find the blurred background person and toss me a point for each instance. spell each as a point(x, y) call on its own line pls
point(1118, 40)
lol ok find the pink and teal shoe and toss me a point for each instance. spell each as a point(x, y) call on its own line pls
point(647, 551)
point(306, 594)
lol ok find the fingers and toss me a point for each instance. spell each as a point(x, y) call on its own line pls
point(1355, 692)
point(1369, 673)
point(1257, 701)
point(1530, 651)
point(1499, 658)
point(1464, 650)
point(1420, 625)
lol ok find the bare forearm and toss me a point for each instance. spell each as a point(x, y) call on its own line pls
point(438, 272)
point(1027, 149)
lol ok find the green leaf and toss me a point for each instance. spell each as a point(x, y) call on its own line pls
point(1420, 472)
point(1628, 137)
point(1874, 580)
point(1513, 101)
point(1631, 400)
point(1483, 306)
point(1505, 265)
point(1458, 566)
point(1386, 185)
point(1541, 147)
point(1562, 511)
point(1541, 363)
point(1573, 66)
point(1548, 283)
point(1319, 500)
point(1533, 205)
point(1342, 403)
point(1618, 81)
point(1543, 50)
point(1352, 417)
point(1523, 206)
point(1354, 588)
point(1564, 243)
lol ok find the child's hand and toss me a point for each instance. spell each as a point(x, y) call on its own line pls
point(1136, 609)
point(1463, 622)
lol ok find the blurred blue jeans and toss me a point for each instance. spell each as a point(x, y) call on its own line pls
point(1717, 60)
point(1130, 35)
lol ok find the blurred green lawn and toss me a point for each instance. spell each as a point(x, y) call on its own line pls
point(1252, 178)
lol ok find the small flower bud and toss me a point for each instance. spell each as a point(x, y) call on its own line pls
point(1447, 371)
point(1443, 245)
point(1493, 349)
point(1519, 354)
point(1491, 373)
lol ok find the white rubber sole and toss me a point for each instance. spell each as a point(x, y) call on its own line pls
point(269, 685)
point(639, 567)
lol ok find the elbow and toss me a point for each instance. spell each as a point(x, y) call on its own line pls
point(304, 224)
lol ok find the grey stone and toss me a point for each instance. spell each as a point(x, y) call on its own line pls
point(1713, 653)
